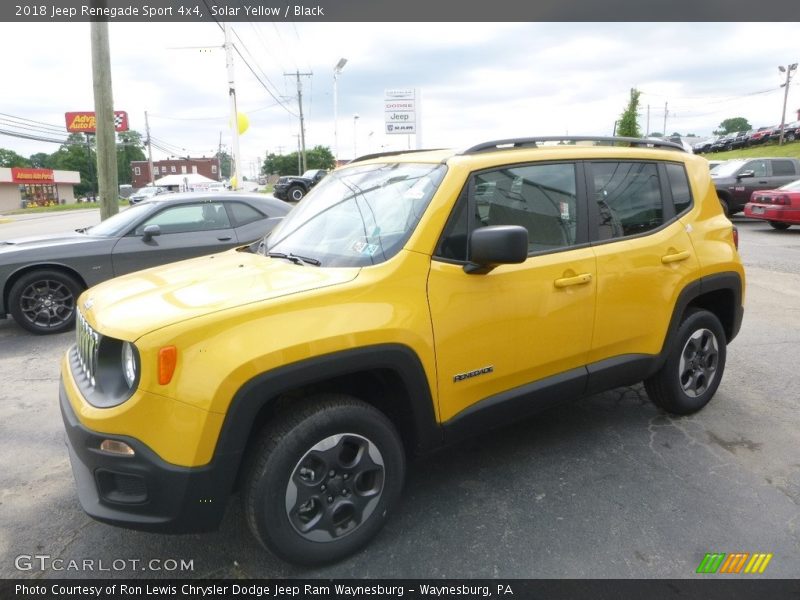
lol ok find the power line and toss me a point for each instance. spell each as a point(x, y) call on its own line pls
point(55, 128)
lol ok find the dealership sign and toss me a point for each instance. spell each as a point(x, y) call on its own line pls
point(400, 107)
point(85, 122)
point(21, 175)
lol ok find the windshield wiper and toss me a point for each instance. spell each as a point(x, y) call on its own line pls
point(298, 260)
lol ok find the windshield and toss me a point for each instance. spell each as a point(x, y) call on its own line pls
point(791, 187)
point(120, 222)
point(148, 191)
point(727, 169)
point(310, 174)
point(358, 216)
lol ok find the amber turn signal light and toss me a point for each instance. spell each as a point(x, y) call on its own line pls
point(167, 361)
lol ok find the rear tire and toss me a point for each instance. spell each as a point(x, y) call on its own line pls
point(44, 301)
point(323, 480)
point(779, 226)
point(693, 370)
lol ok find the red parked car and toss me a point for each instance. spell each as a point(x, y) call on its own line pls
point(780, 207)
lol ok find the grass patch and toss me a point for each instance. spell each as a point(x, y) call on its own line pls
point(791, 149)
point(59, 208)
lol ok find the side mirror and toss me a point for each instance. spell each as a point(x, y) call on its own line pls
point(150, 232)
point(496, 245)
point(744, 174)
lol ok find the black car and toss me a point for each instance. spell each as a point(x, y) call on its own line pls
point(739, 139)
point(41, 277)
point(293, 187)
point(704, 146)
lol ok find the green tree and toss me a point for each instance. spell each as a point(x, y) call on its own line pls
point(733, 125)
point(628, 125)
point(318, 157)
point(224, 164)
point(41, 160)
point(9, 158)
point(75, 155)
point(130, 147)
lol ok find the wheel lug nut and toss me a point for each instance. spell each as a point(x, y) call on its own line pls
point(346, 475)
point(330, 499)
point(332, 473)
point(323, 487)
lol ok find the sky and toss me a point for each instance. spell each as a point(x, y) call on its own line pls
point(478, 81)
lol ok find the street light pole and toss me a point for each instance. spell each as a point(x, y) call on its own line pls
point(355, 137)
point(337, 70)
point(788, 70)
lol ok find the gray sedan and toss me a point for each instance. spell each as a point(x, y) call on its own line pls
point(41, 277)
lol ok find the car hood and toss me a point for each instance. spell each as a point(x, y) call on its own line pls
point(47, 241)
point(133, 305)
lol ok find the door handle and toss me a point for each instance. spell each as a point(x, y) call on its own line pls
point(576, 280)
point(224, 238)
point(676, 257)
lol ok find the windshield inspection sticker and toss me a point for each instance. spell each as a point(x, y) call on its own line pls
point(364, 248)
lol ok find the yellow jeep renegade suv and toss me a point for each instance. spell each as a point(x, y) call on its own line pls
point(409, 300)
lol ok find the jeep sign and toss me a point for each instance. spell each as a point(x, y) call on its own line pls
point(400, 110)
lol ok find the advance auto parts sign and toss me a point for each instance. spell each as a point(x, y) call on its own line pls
point(85, 122)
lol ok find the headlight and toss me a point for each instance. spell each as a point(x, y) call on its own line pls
point(129, 366)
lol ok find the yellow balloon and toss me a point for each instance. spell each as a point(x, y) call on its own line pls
point(242, 121)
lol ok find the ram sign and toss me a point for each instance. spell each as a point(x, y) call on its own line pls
point(400, 110)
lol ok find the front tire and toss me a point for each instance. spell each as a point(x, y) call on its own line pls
point(779, 226)
point(296, 193)
point(323, 480)
point(43, 301)
point(725, 208)
point(693, 370)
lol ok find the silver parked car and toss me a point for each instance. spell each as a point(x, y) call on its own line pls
point(41, 277)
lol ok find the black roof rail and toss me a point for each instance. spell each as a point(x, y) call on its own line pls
point(533, 142)
point(390, 153)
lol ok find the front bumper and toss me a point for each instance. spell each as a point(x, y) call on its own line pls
point(143, 491)
point(279, 191)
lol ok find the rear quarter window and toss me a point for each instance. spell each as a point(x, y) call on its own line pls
point(679, 185)
point(783, 167)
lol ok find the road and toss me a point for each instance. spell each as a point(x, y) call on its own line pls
point(606, 486)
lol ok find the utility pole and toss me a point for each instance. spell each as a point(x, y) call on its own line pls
point(788, 69)
point(647, 131)
point(236, 171)
point(302, 150)
point(666, 112)
point(149, 150)
point(337, 70)
point(299, 164)
point(104, 117)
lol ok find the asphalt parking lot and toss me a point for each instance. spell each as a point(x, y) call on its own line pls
point(607, 486)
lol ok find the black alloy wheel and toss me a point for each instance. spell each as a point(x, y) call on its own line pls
point(322, 479)
point(44, 301)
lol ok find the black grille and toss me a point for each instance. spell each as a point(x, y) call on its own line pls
point(88, 342)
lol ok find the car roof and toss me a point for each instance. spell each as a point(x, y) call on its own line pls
point(214, 196)
point(538, 149)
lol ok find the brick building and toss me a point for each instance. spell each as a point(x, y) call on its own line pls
point(140, 169)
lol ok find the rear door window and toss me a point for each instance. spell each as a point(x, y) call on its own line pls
point(628, 198)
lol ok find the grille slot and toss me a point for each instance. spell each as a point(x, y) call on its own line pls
point(88, 343)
